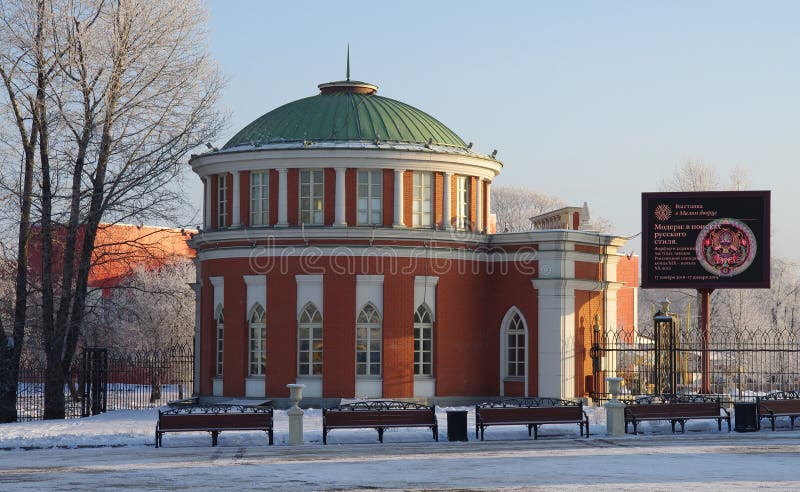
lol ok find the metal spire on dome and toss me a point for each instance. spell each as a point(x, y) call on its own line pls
point(348, 62)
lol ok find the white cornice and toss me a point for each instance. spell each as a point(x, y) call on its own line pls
point(564, 284)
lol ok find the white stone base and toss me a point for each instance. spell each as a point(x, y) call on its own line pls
point(424, 386)
point(369, 388)
point(255, 387)
point(217, 389)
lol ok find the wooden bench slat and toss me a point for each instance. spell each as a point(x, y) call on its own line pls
point(676, 411)
point(378, 415)
point(214, 420)
point(783, 404)
point(531, 412)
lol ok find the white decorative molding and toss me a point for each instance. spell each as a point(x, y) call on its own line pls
point(256, 291)
point(218, 283)
point(424, 386)
point(255, 386)
point(367, 387)
point(207, 204)
point(369, 288)
point(425, 292)
point(309, 289)
point(556, 339)
point(217, 387)
point(313, 387)
point(398, 198)
point(283, 197)
point(339, 199)
point(447, 212)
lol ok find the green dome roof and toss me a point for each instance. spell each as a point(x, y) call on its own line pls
point(346, 111)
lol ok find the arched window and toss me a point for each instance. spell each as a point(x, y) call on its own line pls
point(423, 341)
point(220, 319)
point(309, 342)
point(514, 335)
point(257, 355)
point(369, 339)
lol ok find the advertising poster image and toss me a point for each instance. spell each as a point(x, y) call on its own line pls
point(705, 240)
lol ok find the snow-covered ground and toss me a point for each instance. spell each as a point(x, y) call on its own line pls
point(115, 450)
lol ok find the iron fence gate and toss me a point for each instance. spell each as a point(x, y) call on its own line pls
point(102, 379)
point(741, 364)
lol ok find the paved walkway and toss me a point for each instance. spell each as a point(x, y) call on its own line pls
point(702, 461)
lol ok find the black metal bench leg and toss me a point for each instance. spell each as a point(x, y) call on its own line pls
point(791, 418)
point(530, 428)
point(269, 433)
point(587, 427)
point(380, 435)
point(772, 419)
point(683, 426)
point(634, 428)
point(436, 433)
point(673, 425)
point(324, 435)
point(719, 424)
point(157, 436)
point(535, 432)
point(214, 435)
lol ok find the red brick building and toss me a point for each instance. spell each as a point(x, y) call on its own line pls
point(346, 247)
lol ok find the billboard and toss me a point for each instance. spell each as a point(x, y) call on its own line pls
point(705, 240)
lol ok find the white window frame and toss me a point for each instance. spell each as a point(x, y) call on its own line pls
point(259, 198)
point(369, 342)
point(308, 327)
point(462, 201)
point(256, 348)
point(222, 200)
point(422, 199)
point(312, 206)
point(423, 322)
point(514, 346)
point(369, 194)
point(220, 339)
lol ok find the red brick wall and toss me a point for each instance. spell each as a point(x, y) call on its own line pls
point(587, 305)
point(351, 197)
point(235, 346)
point(292, 194)
point(214, 201)
point(244, 197)
point(398, 336)
point(627, 272)
point(473, 203)
point(273, 196)
point(587, 270)
point(388, 197)
point(510, 286)
point(330, 196)
point(339, 335)
point(281, 334)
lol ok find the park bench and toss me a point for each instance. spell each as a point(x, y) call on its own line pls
point(532, 412)
point(676, 409)
point(380, 415)
point(779, 404)
point(214, 419)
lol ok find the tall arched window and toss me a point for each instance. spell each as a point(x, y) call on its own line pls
point(514, 335)
point(309, 342)
point(220, 319)
point(257, 355)
point(423, 342)
point(369, 339)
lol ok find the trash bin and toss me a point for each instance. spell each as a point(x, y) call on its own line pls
point(745, 416)
point(457, 425)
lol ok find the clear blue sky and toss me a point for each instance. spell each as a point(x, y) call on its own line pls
point(593, 101)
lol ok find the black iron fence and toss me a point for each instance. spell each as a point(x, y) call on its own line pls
point(737, 365)
point(110, 379)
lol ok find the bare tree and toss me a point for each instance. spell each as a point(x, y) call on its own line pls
point(131, 89)
point(515, 205)
point(154, 307)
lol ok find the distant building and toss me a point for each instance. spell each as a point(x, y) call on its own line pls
point(119, 250)
point(347, 245)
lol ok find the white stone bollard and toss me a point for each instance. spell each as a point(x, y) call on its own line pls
point(615, 410)
point(295, 414)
